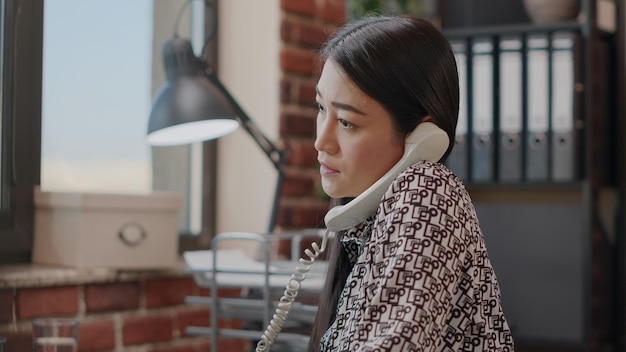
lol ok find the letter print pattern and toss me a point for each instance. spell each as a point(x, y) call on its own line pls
point(421, 278)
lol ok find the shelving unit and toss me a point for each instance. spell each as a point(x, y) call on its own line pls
point(250, 261)
point(553, 241)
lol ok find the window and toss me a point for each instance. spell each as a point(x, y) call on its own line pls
point(96, 67)
point(97, 78)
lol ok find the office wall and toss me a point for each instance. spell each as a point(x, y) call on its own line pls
point(249, 40)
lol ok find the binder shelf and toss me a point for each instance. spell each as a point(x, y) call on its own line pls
point(536, 146)
point(522, 106)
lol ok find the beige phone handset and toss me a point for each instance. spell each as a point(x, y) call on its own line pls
point(426, 142)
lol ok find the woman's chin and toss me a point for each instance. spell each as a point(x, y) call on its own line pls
point(339, 190)
point(332, 191)
point(338, 195)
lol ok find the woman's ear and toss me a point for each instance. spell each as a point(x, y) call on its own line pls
point(427, 118)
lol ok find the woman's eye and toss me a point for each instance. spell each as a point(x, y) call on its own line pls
point(345, 123)
point(318, 106)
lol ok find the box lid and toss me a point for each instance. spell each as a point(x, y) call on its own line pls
point(166, 201)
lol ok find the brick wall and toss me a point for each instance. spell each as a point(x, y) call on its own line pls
point(305, 25)
point(143, 315)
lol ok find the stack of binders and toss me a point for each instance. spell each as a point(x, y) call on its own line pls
point(517, 109)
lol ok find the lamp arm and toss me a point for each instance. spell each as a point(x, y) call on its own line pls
point(275, 154)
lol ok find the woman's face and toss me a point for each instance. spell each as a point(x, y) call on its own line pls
point(356, 142)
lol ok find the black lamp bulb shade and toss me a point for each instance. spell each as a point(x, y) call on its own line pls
point(189, 104)
point(194, 106)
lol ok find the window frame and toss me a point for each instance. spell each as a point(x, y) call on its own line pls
point(189, 242)
point(21, 126)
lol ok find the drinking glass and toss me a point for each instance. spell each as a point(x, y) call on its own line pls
point(55, 335)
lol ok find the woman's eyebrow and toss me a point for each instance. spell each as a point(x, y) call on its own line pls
point(342, 106)
point(347, 107)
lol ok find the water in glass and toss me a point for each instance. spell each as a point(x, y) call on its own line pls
point(55, 344)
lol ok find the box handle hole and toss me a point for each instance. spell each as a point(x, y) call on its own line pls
point(132, 234)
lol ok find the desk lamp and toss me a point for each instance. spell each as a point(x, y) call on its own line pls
point(194, 106)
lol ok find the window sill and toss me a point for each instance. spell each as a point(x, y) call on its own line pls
point(42, 275)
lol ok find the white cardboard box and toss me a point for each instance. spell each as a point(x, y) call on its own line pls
point(106, 230)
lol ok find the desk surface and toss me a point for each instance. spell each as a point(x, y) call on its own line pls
point(234, 268)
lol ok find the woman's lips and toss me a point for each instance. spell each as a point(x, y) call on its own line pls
point(325, 170)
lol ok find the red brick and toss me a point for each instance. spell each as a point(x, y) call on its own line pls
point(301, 216)
point(222, 292)
point(283, 248)
point(199, 317)
point(310, 35)
point(147, 329)
point(313, 216)
point(203, 292)
point(286, 31)
point(167, 292)
point(295, 185)
point(334, 12)
point(176, 349)
point(96, 336)
point(297, 125)
point(295, 90)
point(301, 7)
point(197, 290)
point(48, 301)
point(298, 61)
point(116, 296)
point(306, 96)
point(18, 341)
point(6, 306)
point(205, 346)
point(285, 91)
point(229, 292)
point(301, 153)
point(234, 345)
point(234, 324)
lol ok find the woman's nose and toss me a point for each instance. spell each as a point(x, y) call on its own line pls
point(325, 140)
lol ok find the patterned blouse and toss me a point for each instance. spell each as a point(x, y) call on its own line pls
point(421, 278)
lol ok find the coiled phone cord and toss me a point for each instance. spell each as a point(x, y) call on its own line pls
point(291, 291)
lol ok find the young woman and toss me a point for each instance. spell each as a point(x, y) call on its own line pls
point(413, 274)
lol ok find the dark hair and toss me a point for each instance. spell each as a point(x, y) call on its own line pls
point(408, 66)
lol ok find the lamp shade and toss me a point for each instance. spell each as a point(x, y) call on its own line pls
point(195, 106)
point(189, 107)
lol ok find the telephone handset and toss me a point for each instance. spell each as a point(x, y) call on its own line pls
point(426, 142)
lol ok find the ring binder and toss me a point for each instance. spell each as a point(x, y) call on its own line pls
point(538, 108)
point(563, 142)
point(510, 152)
point(482, 111)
